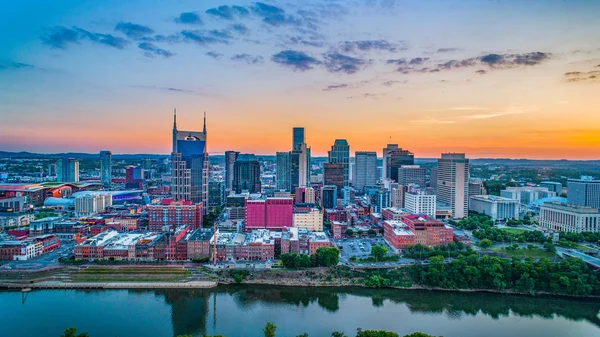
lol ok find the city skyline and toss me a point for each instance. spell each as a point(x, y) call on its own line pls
point(497, 79)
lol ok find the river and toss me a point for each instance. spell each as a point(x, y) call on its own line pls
point(244, 310)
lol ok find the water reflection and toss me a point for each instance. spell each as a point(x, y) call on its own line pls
point(190, 309)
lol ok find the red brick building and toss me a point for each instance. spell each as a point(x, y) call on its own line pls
point(429, 231)
point(398, 234)
point(173, 214)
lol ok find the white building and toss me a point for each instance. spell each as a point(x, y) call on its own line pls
point(527, 194)
point(499, 208)
point(418, 201)
point(312, 220)
point(453, 183)
point(569, 218)
point(92, 203)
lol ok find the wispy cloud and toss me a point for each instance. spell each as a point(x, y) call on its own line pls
point(151, 50)
point(296, 60)
point(250, 59)
point(133, 30)
point(335, 87)
point(432, 121)
point(15, 65)
point(60, 37)
point(189, 18)
point(172, 89)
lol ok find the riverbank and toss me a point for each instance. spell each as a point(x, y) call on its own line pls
point(112, 285)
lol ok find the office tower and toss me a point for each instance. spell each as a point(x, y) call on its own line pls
point(397, 195)
point(453, 183)
point(67, 170)
point(380, 200)
point(584, 192)
point(329, 197)
point(433, 173)
point(340, 154)
point(303, 165)
point(283, 180)
point(365, 169)
point(134, 177)
point(189, 165)
point(105, 167)
point(552, 186)
point(476, 188)
point(420, 201)
point(246, 174)
point(230, 157)
point(297, 138)
point(51, 170)
point(216, 193)
point(333, 174)
point(304, 195)
point(393, 158)
point(412, 174)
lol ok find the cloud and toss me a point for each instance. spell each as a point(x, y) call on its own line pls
point(392, 82)
point(338, 63)
point(335, 87)
point(302, 41)
point(152, 50)
point(509, 111)
point(240, 28)
point(227, 12)
point(396, 61)
point(60, 37)
point(432, 121)
point(273, 15)
point(250, 59)
point(171, 89)
point(418, 60)
point(202, 38)
point(481, 72)
point(447, 50)
point(189, 18)
point(133, 30)
point(214, 54)
point(296, 60)
point(368, 45)
point(512, 60)
point(580, 76)
point(265, 10)
point(221, 34)
point(16, 65)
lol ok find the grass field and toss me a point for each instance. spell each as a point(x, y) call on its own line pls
point(515, 231)
point(536, 253)
point(130, 274)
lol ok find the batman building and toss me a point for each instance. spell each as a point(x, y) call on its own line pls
point(189, 165)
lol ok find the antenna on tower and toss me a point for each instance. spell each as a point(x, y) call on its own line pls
point(175, 118)
point(204, 130)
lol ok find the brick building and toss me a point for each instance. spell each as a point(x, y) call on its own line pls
point(172, 214)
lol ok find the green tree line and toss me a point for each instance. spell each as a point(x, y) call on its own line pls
point(323, 257)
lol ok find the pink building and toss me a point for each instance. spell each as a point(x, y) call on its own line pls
point(272, 213)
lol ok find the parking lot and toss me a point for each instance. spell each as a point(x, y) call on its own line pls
point(360, 247)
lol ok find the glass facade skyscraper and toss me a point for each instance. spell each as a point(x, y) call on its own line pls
point(283, 171)
point(105, 167)
point(297, 138)
point(340, 154)
point(246, 174)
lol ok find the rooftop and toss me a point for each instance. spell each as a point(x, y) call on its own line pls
point(493, 198)
point(570, 208)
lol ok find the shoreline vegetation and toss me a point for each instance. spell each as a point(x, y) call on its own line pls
point(570, 277)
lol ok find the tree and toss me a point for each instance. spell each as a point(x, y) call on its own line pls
point(349, 232)
point(72, 332)
point(378, 252)
point(485, 243)
point(375, 333)
point(371, 232)
point(337, 334)
point(269, 330)
point(326, 257)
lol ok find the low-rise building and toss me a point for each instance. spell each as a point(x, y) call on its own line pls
point(397, 234)
point(498, 208)
point(311, 219)
point(10, 219)
point(569, 218)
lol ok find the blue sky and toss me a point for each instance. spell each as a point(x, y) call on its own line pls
point(89, 75)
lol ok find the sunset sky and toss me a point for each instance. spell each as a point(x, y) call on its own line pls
point(497, 78)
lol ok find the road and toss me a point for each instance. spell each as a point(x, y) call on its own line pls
point(593, 261)
point(44, 260)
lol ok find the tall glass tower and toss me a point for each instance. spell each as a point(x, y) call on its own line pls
point(298, 138)
point(340, 154)
point(105, 167)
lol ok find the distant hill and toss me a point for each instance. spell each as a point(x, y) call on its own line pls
point(5, 154)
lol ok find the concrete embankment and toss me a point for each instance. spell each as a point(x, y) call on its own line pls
point(112, 285)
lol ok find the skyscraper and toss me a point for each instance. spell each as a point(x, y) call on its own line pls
point(67, 170)
point(189, 165)
point(583, 192)
point(333, 174)
point(393, 158)
point(283, 171)
point(246, 174)
point(297, 137)
point(412, 174)
point(329, 197)
point(105, 167)
point(340, 154)
point(230, 157)
point(365, 169)
point(453, 183)
point(303, 165)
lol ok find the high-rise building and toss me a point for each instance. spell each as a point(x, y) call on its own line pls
point(453, 183)
point(380, 200)
point(189, 165)
point(433, 173)
point(584, 192)
point(297, 138)
point(420, 201)
point(333, 174)
point(304, 195)
point(365, 169)
point(171, 214)
point(283, 180)
point(230, 157)
point(412, 174)
point(340, 154)
point(216, 193)
point(134, 177)
point(329, 197)
point(397, 195)
point(52, 170)
point(304, 165)
point(105, 167)
point(67, 170)
point(246, 174)
point(393, 158)
point(272, 213)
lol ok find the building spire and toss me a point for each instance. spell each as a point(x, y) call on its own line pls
point(204, 130)
point(175, 118)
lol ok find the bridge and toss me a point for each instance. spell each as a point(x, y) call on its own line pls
point(592, 261)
